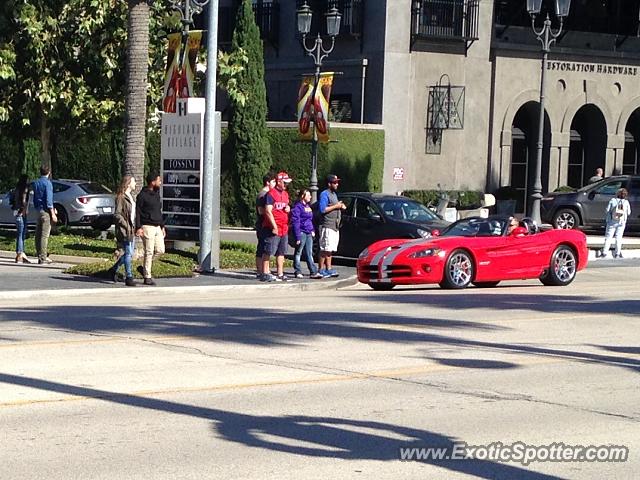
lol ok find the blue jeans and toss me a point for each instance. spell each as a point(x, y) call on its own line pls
point(21, 233)
point(126, 258)
point(306, 246)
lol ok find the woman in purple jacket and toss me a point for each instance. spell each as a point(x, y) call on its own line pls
point(302, 223)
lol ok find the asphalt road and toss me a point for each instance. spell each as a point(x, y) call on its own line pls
point(324, 384)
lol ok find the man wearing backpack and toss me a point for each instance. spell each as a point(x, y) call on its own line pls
point(43, 203)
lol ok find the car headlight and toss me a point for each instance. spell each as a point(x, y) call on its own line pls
point(424, 233)
point(427, 252)
point(364, 253)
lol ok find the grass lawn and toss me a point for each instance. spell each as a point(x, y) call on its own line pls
point(86, 243)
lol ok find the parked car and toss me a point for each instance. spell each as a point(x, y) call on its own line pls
point(585, 208)
point(476, 251)
point(79, 202)
point(370, 217)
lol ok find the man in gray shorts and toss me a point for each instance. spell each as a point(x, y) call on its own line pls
point(330, 209)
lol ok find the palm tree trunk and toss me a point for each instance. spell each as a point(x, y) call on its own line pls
point(136, 88)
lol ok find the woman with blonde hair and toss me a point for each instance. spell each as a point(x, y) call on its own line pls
point(125, 219)
point(618, 210)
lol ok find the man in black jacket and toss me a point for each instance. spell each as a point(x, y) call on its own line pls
point(150, 224)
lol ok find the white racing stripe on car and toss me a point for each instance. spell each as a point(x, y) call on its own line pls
point(388, 260)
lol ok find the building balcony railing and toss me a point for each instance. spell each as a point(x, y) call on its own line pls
point(453, 20)
point(267, 18)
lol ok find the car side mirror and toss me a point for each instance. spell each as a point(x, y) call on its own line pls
point(592, 195)
point(375, 217)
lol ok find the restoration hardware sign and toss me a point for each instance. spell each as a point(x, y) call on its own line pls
point(593, 68)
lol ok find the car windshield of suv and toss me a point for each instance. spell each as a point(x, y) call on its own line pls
point(475, 227)
point(403, 209)
point(94, 188)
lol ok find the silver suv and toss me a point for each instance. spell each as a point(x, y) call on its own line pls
point(79, 202)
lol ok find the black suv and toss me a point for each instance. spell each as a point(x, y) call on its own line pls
point(586, 207)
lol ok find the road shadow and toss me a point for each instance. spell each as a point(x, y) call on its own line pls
point(478, 299)
point(310, 436)
point(275, 328)
point(249, 326)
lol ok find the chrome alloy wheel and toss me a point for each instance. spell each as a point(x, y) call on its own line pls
point(566, 221)
point(564, 265)
point(460, 269)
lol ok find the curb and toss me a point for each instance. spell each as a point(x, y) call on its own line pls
point(242, 290)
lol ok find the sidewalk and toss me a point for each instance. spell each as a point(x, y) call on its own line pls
point(630, 246)
point(32, 281)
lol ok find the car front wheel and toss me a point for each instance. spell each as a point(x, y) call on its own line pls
point(562, 267)
point(458, 271)
point(566, 219)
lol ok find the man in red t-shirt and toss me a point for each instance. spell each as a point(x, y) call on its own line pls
point(276, 222)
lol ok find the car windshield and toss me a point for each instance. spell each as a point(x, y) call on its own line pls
point(94, 188)
point(405, 209)
point(475, 227)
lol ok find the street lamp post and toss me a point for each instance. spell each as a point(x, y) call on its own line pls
point(318, 52)
point(547, 36)
point(209, 255)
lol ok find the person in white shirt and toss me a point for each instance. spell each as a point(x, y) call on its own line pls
point(618, 211)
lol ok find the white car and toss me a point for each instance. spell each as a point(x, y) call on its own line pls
point(78, 202)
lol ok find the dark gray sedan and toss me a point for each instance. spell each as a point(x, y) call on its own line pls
point(78, 202)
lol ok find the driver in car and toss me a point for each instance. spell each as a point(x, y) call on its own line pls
point(514, 229)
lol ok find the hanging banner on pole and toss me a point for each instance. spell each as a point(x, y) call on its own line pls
point(189, 63)
point(178, 80)
point(172, 73)
point(314, 108)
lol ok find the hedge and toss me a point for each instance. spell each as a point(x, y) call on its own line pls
point(461, 199)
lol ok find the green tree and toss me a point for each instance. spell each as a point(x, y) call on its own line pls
point(248, 127)
point(59, 66)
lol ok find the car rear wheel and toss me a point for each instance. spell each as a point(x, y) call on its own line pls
point(566, 219)
point(562, 268)
point(381, 287)
point(486, 284)
point(458, 270)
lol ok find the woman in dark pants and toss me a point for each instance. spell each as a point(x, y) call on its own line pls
point(21, 206)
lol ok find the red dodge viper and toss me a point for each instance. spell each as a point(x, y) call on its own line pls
point(481, 251)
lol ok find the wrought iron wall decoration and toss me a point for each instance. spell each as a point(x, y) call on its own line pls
point(445, 110)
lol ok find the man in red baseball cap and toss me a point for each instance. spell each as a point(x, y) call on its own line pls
point(276, 223)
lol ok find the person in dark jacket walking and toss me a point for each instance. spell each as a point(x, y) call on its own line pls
point(21, 207)
point(302, 224)
point(124, 219)
point(150, 224)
